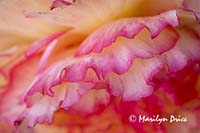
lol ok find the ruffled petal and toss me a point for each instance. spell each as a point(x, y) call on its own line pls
point(142, 47)
point(74, 91)
point(128, 28)
point(34, 109)
point(38, 108)
point(44, 82)
point(185, 52)
point(122, 85)
point(41, 108)
point(75, 69)
point(121, 54)
point(11, 106)
point(164, 105)
point(135, 83)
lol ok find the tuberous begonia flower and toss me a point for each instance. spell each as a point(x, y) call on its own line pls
point(99, 66)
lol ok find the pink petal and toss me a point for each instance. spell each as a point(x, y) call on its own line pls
point(142, 71)
point(128, 28)
point(131, 63)
point(46, 55)
point(37, 108)
point(75, 69)
point(59, 3)
point(42, 108)
point(185, 51)
point(10, 104)
point(135, 83)
point(45, 81)
point(36, 46)
point(74, 92)
point(119, 56)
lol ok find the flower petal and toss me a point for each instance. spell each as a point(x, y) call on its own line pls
point(36, 46)
point(15, 88)
point(128, 28)
point(59, 3)
point(38, 108)
point(74, 92)
point(75, 69)
point(135, 83)
point(42, 108)
point(185, 51)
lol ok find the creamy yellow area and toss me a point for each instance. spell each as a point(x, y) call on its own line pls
point(87, 15)
point(27, 20)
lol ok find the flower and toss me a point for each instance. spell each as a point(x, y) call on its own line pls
point(88, 65)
